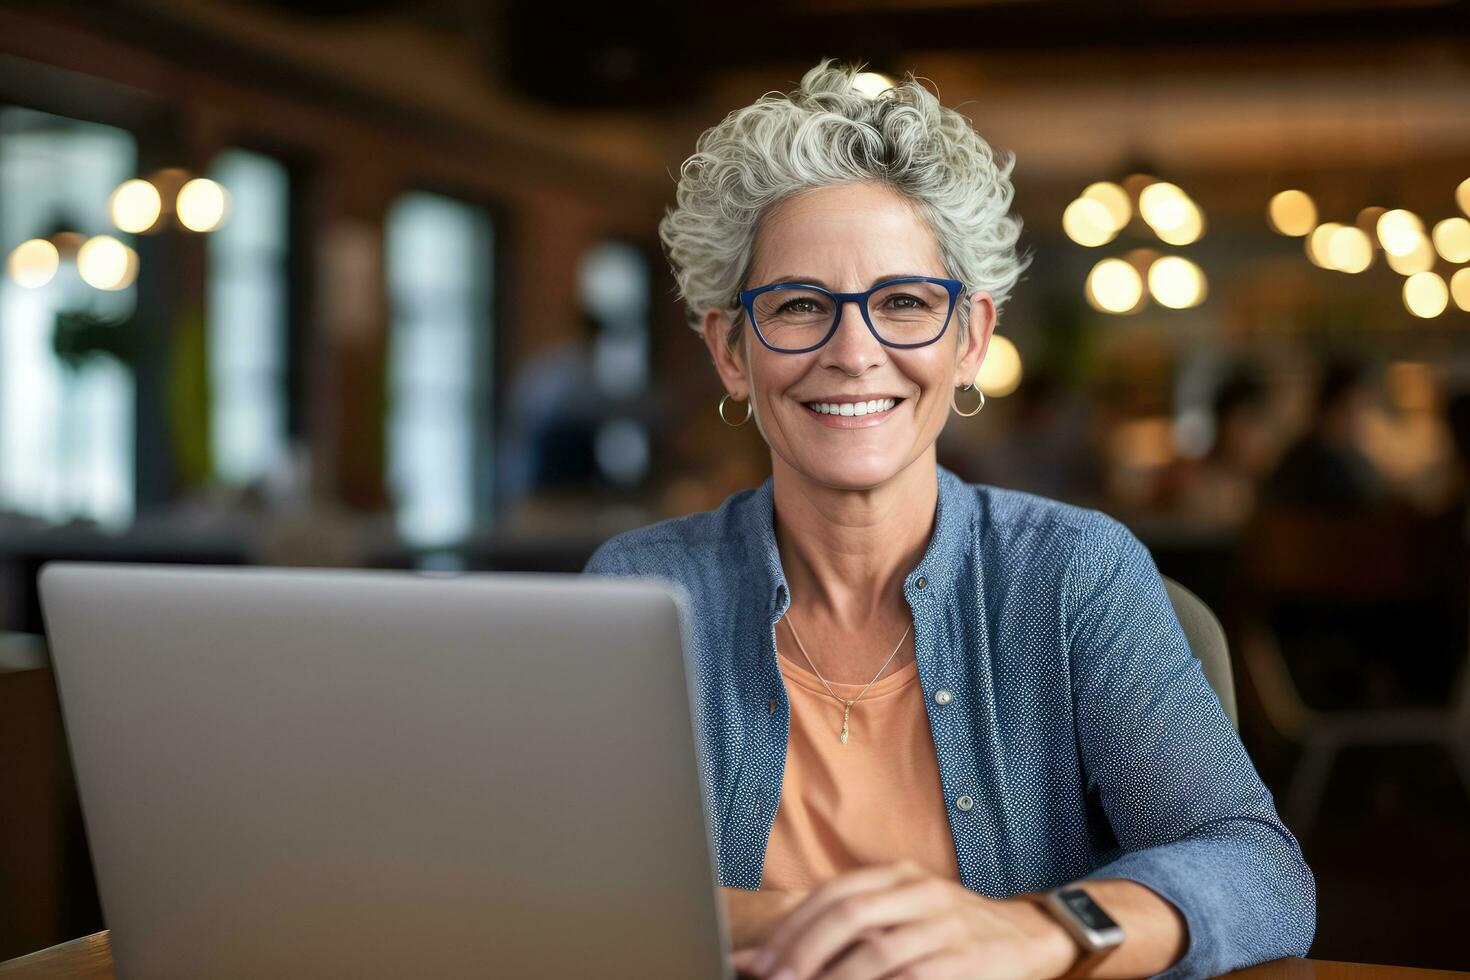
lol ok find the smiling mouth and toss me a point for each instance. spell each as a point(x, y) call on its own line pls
point(875, 407)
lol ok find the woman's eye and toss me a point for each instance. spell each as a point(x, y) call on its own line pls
point(917, 303)
point(798, 306)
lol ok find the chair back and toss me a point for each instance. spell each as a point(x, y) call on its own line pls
point(1207, 642)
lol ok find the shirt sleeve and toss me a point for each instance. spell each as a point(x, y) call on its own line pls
point(608, 560)
point(1193, 820)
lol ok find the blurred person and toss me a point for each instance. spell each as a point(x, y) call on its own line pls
point(1350, 571)
point(1326, 468)
point(553, 415)
point(1221, 487)
point(924, 703)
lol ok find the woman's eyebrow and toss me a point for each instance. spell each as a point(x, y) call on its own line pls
point(813, 280)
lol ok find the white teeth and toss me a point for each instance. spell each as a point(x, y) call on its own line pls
point(853, 407)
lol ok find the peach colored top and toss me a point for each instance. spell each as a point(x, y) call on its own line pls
point(874, 800)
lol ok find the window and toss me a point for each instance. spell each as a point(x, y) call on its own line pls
point(614, 286)
point(66, 433)
point(440, 282)
point(248, 311)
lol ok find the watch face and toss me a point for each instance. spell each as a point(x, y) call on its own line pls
point(1088, 912)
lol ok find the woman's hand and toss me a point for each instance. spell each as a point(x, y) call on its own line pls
point(898, 920)
point(753, 915)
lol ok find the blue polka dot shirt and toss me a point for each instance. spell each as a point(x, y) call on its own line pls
point(1075, 733)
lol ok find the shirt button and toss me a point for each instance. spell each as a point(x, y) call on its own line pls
point(942, 696)
point(964, 803)
point(920, 582)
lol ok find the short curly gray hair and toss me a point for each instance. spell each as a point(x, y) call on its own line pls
point(825, 133)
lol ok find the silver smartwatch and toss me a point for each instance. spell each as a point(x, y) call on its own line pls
point(1090, 927)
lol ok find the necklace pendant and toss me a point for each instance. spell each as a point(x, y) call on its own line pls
point(846, 710)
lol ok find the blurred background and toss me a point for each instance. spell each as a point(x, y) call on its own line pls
point(377, 283)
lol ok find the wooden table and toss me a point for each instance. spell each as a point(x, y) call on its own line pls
point(90, 958)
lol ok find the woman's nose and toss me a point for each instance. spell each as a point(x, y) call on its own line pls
point(853, 348)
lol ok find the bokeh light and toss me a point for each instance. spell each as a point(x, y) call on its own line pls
point(1426, 295)
point(1460, 289)
point(1292, 212)
point(1188, 230)
point(1316, 244)
point(1421, 259)
point(201, 205)
point(1367, 220)
point(33, 263)
point(1114, 286)
point(1165, 207)
point(135, 206)
point(1088, 222)
point(106, 263)
point(1000, 372)
point(1114, 198)
point(1452, 239)
point(1349, 249)
point(1399, 231)
point(872, 83)
point(1176, 282)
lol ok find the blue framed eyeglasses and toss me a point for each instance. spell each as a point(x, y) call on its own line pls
point(799, 317)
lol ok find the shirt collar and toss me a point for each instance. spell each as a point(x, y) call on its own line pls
point(949, 544)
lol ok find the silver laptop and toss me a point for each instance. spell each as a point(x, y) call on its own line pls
point(291, 773)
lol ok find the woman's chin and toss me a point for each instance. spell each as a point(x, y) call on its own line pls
point(854, 473)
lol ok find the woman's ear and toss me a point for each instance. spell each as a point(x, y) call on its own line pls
point(728, 361)
point(975, 340)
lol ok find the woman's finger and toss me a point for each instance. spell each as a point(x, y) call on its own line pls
point(743, 960)
point(840, 923)
point(946, 965)
point(835, 890)
point(884, 952)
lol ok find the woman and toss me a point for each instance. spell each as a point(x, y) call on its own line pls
point(922, 704)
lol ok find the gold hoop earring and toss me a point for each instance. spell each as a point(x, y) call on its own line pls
point(966, 387)
point(724, 419)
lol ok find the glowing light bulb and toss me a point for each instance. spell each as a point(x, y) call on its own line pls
point(1114, 286)
point(135, 206)
point(106, 263)
point(201, 205)
point(1292, 212)
point(1425, 295)
point(1000, 372)
point(1176, 282)
point(33, 263)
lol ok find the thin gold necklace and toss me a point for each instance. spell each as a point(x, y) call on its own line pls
point(846, 704)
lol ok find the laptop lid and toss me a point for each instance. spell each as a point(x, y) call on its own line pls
point(325, 773)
